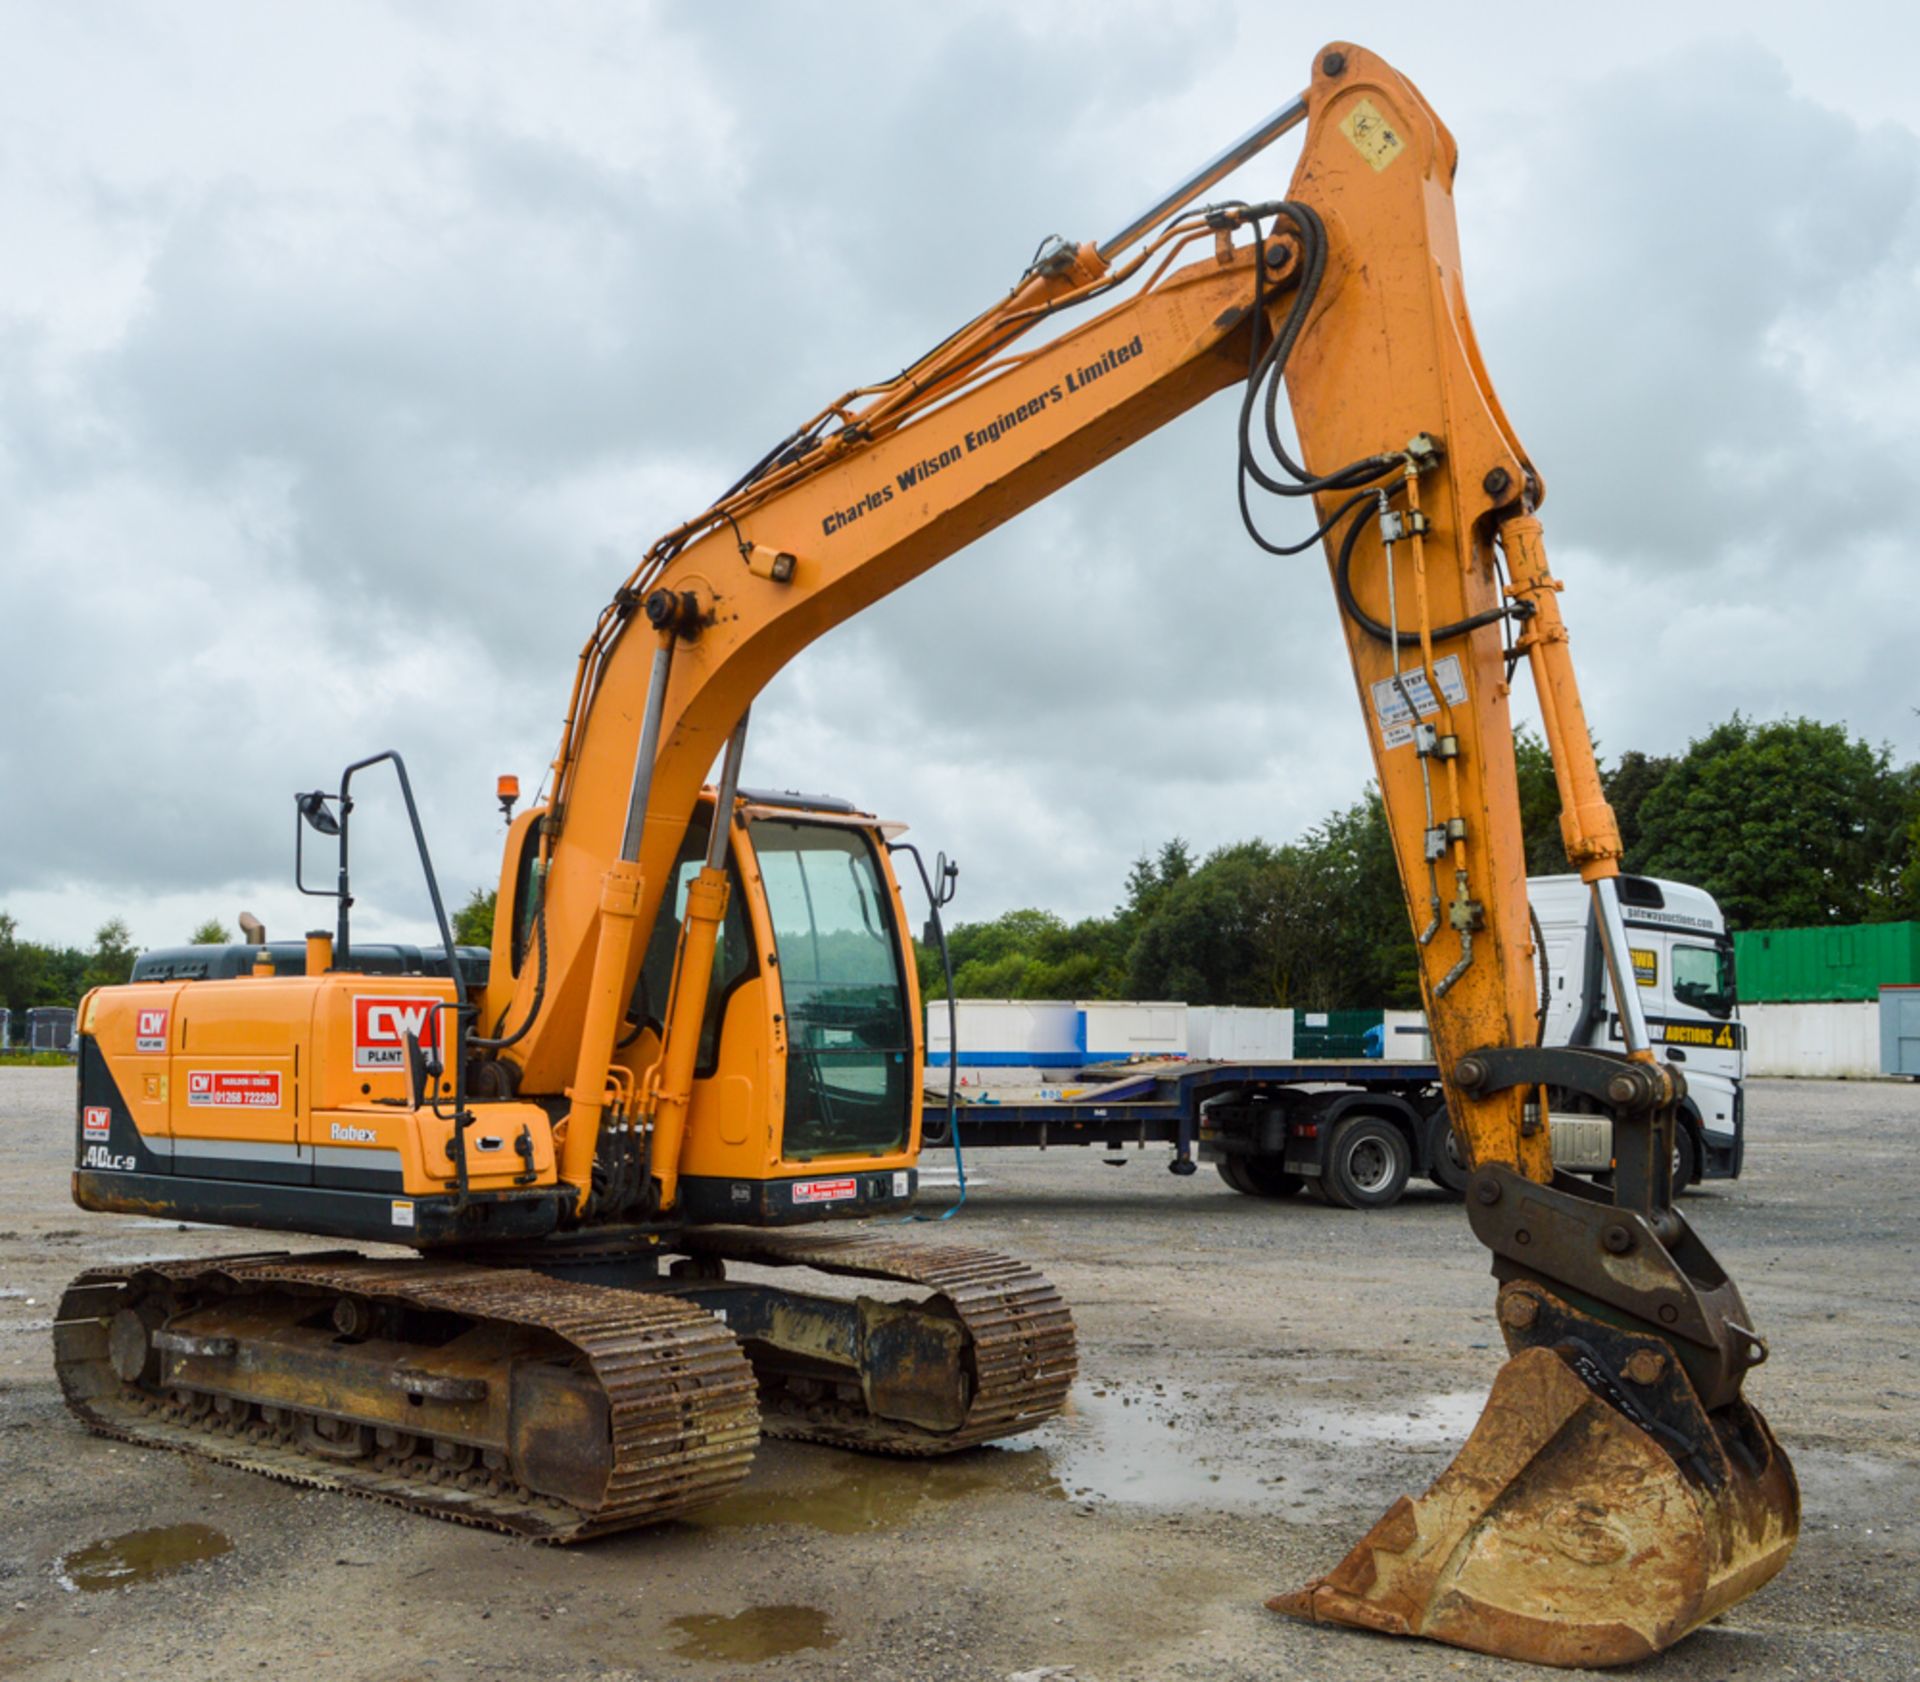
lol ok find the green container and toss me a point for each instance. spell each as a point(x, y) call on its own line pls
point(1853, 961)
point(1333, 1033)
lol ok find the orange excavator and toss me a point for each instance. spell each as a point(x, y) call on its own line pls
point(695, 1044)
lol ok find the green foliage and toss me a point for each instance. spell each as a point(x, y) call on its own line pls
point(212, 932)
point(19, 963)
point(111, 961)
point(1539, 804)
point(32, 974)
point(1628, 784)
point(1220, 935)
point(473, 922)
point(1361, 913)
point(1315, 924)
point(1029, 955)
point(1786, 824)
point(1152, 879)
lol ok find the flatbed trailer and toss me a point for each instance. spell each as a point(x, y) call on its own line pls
point(1353, 1130)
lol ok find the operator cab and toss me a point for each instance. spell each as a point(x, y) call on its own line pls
point(814, 970)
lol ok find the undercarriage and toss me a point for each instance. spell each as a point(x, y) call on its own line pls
point(561, 1403)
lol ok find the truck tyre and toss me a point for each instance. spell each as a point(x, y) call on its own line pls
point(1324, 1190)
point(1686, 1157)
point(1368, 1163)
point(1259, 1176)
point(1444, 1165)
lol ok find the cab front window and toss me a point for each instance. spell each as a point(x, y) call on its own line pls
point(849, 1041)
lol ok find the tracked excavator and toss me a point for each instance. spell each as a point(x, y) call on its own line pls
point(696, 1048)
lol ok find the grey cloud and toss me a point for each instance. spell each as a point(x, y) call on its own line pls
point(415, 375)
point(1681, 217)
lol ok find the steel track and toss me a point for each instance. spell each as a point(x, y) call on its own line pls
point(679, 1392)
point(1020, 1333)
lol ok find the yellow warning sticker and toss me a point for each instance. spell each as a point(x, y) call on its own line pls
point(1646, 966)
point(1372, 136)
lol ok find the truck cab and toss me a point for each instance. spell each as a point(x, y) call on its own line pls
point(1683, 966)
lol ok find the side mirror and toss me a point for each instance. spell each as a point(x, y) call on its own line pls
point(313, 807)
point(946, 876)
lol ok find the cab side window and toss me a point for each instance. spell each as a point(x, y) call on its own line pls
point(1703, 978)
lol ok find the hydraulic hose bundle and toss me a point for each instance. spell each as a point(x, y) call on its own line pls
point(1370, 479)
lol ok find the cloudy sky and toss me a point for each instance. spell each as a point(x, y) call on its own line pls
point(351, 353)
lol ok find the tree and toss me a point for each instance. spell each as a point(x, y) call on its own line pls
point(473, 922)
point(1150, 879)
point(19, 961)
point(32, 974)
point(1028, 954)
point(1628, 784)
point(1216, 935)
point(1360, 912)
point(212, 932)
point(1539, 804)
point(111, 961)
point(1787, 823)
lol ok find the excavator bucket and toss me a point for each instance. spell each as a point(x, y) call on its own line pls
point(1568, 1532)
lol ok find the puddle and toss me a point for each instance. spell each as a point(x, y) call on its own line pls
point(842, 1495)
point(1197, 1445)
point(1119, 1443)
point(1208, 1446)
point(749, 1637)
point(1431, 1420)
point(139, 1556)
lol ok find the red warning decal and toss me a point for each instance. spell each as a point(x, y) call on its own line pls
point(825, 1191)
point(381, 1026)
point(233, 1089)
point(96, 1121)
point(150, 1031)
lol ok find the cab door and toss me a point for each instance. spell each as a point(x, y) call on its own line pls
point(849, 1003)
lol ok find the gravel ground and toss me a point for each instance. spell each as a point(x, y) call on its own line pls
point(1258, 1382)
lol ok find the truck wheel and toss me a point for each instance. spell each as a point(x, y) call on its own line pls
point(1444, 1164)
point(1368, 1163)
point(1259, 1176)
point(1686, 1158)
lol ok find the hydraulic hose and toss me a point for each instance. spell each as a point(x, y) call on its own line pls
point(1350, 603)
point(539, 980)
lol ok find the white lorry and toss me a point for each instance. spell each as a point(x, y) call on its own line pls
point(1683, 963)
